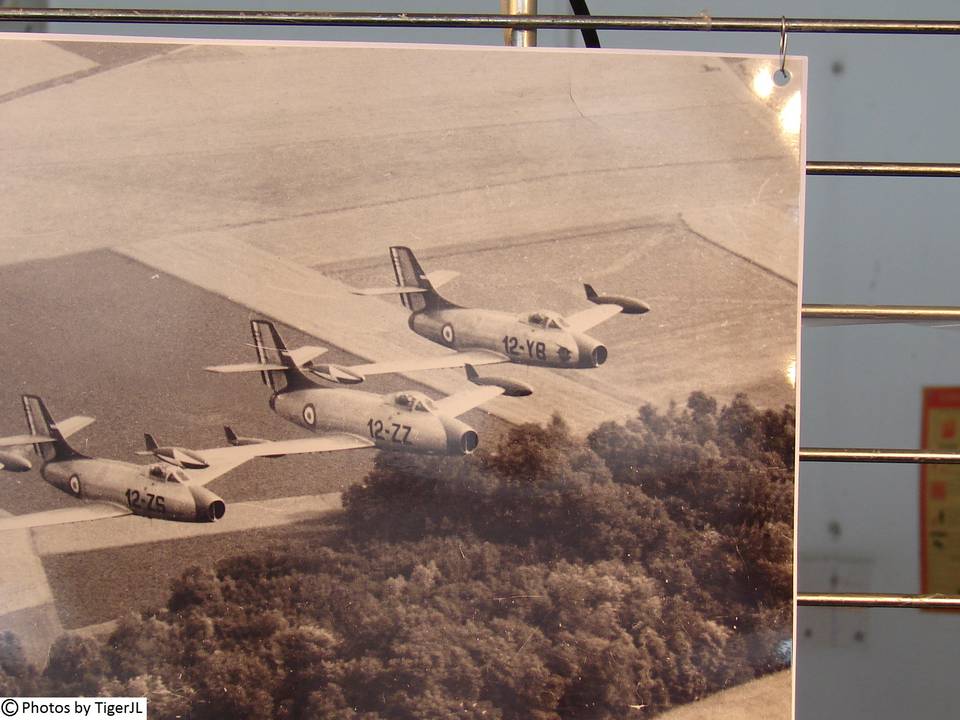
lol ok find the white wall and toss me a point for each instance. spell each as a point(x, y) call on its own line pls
point(867, 241)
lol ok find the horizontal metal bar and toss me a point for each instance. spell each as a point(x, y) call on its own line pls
point(876, 600)
point(879, 455)
point(531, 22)
point(883, 169)
point(882, 313)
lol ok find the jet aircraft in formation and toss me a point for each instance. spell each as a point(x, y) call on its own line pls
point(172, 489)
point(405, 421)
point(483, 337)
point(345, 419)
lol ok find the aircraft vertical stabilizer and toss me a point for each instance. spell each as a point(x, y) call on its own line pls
point(410, 274)
point(271, 350)
point(41, 423)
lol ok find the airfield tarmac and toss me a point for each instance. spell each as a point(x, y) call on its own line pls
point(148, 192)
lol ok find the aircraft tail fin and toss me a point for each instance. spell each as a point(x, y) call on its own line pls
point(411, 275)
point(271, 350)
point(41, 423)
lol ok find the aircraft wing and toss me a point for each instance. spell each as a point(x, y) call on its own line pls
point(82, 513)
point(459, 403)
point(245, 367)
point(387, 291)
point(24, 440)
point(303, 355)
point(591, 317)
point(224, 459)
point(453, 360)
point(438, 278)
point(300, 356)
point(73, 425)
point(67, 428)
point(441, 277)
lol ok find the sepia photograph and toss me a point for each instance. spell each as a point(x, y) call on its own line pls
point(398, 381)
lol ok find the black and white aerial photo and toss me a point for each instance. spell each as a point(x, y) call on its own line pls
point(357, 381)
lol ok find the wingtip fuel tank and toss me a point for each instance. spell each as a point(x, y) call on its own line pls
point(14, 462)
point(180, 457)
point(628, 305)
point(511, 388)
point(240, 440)
point(336, 374)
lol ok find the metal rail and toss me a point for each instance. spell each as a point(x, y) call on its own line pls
point(701, 22)
point(882, 313)
point(877, 600)
point(879, 455)
point(883, 169)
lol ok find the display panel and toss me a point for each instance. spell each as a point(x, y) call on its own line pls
point(523, 325)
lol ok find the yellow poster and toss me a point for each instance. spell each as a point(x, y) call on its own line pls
point(940, 495)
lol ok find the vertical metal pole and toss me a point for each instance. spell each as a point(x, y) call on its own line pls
point(519, 38)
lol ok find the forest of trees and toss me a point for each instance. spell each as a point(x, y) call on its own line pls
point(644, 566)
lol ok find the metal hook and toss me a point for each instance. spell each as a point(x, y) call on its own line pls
point(783, 47)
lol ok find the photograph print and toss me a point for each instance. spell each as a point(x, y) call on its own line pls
point(398, 381)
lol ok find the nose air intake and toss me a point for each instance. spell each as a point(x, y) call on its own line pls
point(590, 353)
point(599, 355)
point(461, 439)
point(469, 441)
point(209, 507)
point(216, 510)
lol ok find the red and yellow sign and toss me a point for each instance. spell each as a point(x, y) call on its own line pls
point(940, 494)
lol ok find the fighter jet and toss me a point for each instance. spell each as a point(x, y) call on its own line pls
point(169, 490)
point(484, 337)
point(405, 421)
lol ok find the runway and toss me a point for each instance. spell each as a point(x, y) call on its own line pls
point(157, 196)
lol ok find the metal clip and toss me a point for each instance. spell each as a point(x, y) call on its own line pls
point(783, 76)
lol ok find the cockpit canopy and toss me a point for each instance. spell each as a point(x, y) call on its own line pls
point(166, 473)
point(413, 402)
point(546, 319)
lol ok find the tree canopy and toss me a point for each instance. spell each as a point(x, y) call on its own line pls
point(644, 566)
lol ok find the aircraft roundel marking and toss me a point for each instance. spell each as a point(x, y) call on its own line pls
point(447, 332)
point(309, 415)
point(75, 484)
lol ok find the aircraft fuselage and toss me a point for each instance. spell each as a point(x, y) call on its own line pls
point(471, 329)
point(380, 418)
point(154, 491)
